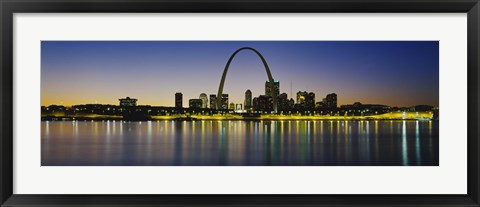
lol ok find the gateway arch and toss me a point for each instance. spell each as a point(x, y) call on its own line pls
point(267, 69)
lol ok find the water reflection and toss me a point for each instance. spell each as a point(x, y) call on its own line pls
point(213, 143)
point(404, 144)
point(417, 144)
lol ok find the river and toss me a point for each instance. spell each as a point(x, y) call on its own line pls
point(240, 143)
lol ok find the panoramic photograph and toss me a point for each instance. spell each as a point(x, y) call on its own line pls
point(239, 103)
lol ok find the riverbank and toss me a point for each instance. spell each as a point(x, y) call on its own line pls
point(386, 116)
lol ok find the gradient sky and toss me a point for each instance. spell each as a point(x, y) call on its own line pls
point(395, 73)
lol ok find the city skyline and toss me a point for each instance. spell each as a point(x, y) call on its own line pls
point(100, 72)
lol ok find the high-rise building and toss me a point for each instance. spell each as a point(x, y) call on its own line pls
point(178, 100)
point(204, 99)
point(272, 92)
point(263, 103)
point(282, 102)
point(310, 101)
point(248, 100)
point(238, 107)
point(301, 96)
point(128, 101)
point(319, 105)
point(195, 103)
point(290, 103)
point(232, 106)
point(213, 101)
point(225, 101)
point(306, 99)
point(331, 101)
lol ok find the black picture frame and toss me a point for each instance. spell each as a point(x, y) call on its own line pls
point(9, 7)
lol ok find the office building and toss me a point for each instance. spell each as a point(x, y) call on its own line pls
point(248, 100)
point(301, 96)
point(178, 100)
point(272, 92)
point(263, 103)
point(306, 100)
point(213, 101)
point(204, 99)
point(282, 102)
point(195, 103)
point(310, 101)
point(224, 101)
point(238, 107)
point(331, 101)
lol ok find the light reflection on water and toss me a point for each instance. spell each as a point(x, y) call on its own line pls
point(244, 143)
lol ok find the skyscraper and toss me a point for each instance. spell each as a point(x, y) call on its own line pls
point(178, 100)
point(331, 101)
point(290, 103)
point(275, 90)
point(310, 101)
point(248, 100)
point(225, 101)
point(306, 99)
point(238, 107)
point(204, 99)
point(213, 101)
point(301, 96)
point(263, 103)
point(282, 102)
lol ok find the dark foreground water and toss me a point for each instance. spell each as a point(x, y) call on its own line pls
point(213, 143)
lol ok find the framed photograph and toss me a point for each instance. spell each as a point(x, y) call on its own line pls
point(238, 103)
